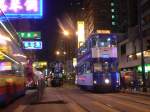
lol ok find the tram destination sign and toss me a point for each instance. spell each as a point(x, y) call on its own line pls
point(22, 8)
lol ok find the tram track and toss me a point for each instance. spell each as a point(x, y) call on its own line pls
point(125, 105)
point(128, 99)
point(98, 103)
point(107, 104)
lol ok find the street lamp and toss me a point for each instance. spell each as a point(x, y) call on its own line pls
point(66, 33)
point(57, 53)
point(64, 53)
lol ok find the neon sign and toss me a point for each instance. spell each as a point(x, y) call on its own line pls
point(22, 8)
point(29, 35)
point(103, 31)
point(32, 44)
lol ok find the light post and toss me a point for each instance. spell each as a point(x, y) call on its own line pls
point(141, 45)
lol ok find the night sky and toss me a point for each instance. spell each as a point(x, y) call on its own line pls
point(48, 25)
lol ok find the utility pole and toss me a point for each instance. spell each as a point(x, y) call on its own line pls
point(141, 45)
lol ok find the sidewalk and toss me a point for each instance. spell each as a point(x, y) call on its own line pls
point(131, 91)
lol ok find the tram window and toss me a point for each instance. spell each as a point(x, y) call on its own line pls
point(81, 69)
point(113, 67)
point(88, 67)
point(9, 67)
point(105, 66)
point(97, 67)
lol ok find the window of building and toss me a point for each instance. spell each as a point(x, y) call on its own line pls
point(113, 23)
point(123, 49)
point(112, 4)
point(146, 7)
point(112, 10)
point(146, 19)
point(113, 16)
point(146, 32)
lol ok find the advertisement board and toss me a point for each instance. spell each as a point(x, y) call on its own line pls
point(104, 52)
point(81, 32)
point(22, 8)
point(32, 44)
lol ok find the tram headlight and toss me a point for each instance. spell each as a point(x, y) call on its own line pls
point(95, 82)
point(107, 81)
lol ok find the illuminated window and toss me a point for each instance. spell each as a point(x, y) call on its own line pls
point(113, 23)
point(112, 10)
point(112, 4)
point(113, 16)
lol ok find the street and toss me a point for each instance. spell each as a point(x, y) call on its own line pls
point(72, 99)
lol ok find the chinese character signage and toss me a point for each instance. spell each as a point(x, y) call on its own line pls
point(22, 8)
point(32, 44)
point(29, 35)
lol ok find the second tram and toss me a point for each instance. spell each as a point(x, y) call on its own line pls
point(97, 63)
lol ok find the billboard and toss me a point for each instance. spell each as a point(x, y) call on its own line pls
point(29, 35)
point(22, 8)
point(32, 44)
point(81, 33)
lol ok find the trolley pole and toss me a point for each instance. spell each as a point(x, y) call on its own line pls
point(141, 45)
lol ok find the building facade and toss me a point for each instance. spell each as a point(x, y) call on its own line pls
point(129, 50)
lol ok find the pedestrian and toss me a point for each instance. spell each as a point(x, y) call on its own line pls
point(123, 82)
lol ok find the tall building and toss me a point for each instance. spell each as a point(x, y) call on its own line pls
point(105, 14)
point(130, 48)
point(145, 6)
point(75, 9)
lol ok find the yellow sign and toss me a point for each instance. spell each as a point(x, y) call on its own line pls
point(2, 57)
point(39, 64)
point(80, 32)
point(103, 31)
point(74, 62)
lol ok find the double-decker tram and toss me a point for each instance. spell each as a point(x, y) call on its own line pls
point(57, 78)
point(12, 59)
point(97, 63)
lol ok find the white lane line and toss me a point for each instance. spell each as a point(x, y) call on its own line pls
point(20, 108)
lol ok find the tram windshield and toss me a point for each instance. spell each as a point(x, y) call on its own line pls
point(103, 41)
point(104, 66)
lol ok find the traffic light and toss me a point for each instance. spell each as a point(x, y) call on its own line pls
point(148, 44)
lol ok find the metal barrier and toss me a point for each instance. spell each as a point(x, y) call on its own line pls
point(40, 89)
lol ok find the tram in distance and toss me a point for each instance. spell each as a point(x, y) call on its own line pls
point(12, 80)
point(57, 78)
point(97, 67)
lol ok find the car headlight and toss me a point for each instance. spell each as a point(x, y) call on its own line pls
point(94, 82)
point(107, 81)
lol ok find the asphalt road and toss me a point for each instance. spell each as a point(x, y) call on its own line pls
point(75, 100)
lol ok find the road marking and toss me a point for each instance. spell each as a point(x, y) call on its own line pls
point(106, 107)
point(20, 108)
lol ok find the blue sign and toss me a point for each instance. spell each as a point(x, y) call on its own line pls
point(22, 8)
point(32, 44)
